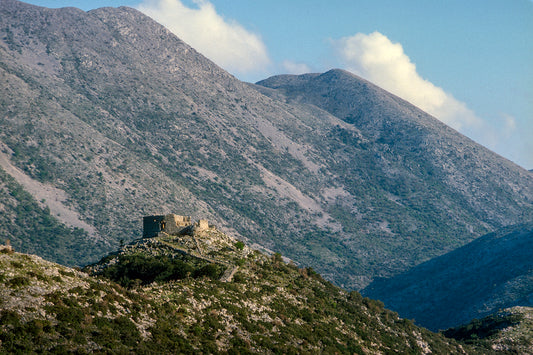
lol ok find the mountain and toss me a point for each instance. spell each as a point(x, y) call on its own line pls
point(491, 273)
point(177, 302)
point(105, 116)
point(415, 153)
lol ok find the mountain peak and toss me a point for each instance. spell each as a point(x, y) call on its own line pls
point(285, 80)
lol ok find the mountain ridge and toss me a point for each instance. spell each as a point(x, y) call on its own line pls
point(344, 101)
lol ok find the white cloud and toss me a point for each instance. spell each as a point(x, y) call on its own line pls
point(509, 125)
point(384, 63)
point(295, 68)
point(225, 42)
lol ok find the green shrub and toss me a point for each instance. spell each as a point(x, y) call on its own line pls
point(19, 281)
point(213, 271)
point(239, 277)
point(239, 245)
point(131, 270)
point(240, 262)
point(17, 265)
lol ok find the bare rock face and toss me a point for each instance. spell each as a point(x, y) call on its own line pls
point(122, 119)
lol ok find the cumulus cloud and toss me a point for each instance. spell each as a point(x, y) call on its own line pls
point(223, 41)
point(384, 63)
point(295, 68)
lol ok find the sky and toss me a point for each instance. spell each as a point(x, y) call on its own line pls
point(468, 63)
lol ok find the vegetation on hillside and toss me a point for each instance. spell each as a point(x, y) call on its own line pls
point(507, 331)
point(32, 229)
point(266, 306)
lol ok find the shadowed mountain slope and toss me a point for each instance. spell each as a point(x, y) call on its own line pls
point(119, 119)
point(491, 273)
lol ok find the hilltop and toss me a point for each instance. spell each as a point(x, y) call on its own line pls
point(175, 298)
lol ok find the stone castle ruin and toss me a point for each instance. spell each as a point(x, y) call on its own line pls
point(171, 224)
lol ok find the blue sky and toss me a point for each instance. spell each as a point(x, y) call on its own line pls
point(469, 63)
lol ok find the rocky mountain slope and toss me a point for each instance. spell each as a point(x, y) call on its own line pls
point(22, 218)
point(491, 273)
point(181, 302)
point(117, 118)
point(415, 153)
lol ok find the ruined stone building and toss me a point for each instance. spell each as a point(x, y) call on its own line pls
point(171, 224)
point(201, 225)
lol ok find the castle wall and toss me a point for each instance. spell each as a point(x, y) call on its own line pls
point(171, 224)
point(152, 225)
point(201, 225)
point(174, 224)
